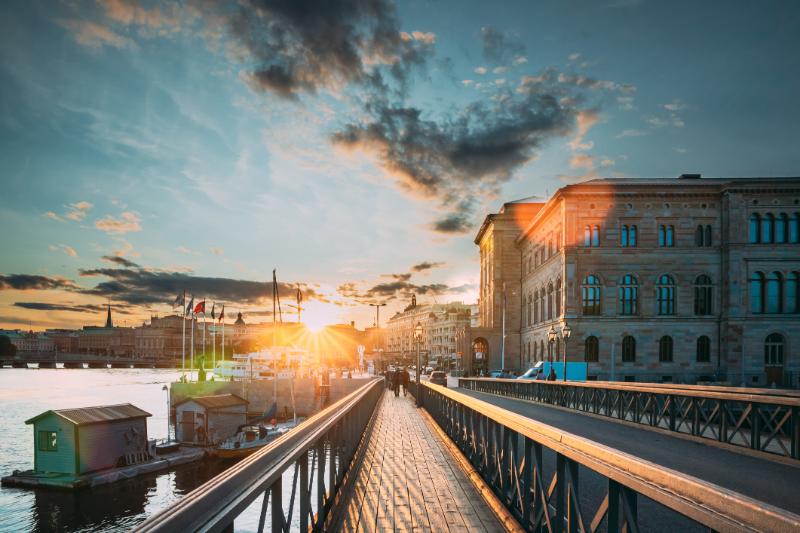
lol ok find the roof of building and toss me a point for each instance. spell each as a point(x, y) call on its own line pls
point(216, 401)
point(94, 415)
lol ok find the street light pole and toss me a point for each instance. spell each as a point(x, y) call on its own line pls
point(566, 331)
point(169, 408)
point(418, 338)
point(551, 338)
point(377, 314)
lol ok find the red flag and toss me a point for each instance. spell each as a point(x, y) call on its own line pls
point(200, 308)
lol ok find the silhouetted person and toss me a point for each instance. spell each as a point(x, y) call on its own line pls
point(404, 379)
point(396, 382)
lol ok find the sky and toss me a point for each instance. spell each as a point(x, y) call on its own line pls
point(151, 148)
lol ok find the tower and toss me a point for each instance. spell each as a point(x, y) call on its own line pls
point(109, 323)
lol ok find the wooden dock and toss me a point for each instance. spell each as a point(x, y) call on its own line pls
point(410, 480)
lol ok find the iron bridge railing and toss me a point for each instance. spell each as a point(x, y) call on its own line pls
point(760, 420)
point(514, 455)
point(316, 454)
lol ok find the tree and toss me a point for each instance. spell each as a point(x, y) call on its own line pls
point(6, 348)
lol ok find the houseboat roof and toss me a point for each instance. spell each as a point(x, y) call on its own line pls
point(94, 415)
point(216, 401)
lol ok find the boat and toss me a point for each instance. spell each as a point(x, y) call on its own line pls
point(259, 365)
point(251, 438)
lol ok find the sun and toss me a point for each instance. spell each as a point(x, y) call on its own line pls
point(317, 315)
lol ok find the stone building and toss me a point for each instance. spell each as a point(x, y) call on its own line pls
point(440, 323)
point(685, 280)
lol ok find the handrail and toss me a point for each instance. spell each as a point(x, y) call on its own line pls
point(789, 400)
point(489, 436)
point(214, 505)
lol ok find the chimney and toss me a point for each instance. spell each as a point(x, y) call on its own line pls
point(689, 176)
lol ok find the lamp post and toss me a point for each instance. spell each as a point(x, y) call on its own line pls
point(169, 408)
point(566, 331)
point(418, 338)
point(377, 314)
point(551, 338)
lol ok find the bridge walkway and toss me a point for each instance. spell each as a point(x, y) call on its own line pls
point(409, 480)
point(763, 479)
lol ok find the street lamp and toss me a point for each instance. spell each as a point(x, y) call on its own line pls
point(418, 338)
point(377, 314)
point(169, 408)
point(551, 338)
point(566, 331)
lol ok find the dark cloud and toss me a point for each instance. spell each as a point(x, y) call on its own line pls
point(426, 265)
point(458, 159)
point(400, 277)
point(140, 286)
point(117, 260)
point(24, 282)
point(397, 289)
point(301, 46)
point(87, 308)
point(498, 47)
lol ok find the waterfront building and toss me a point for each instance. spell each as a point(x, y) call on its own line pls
point(209, 419)
point(667, 280)
point(32, 342)
point(88, 439)
point(439, 322)
point(65, 340)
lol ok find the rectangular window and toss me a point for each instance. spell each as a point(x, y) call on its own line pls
point(48, 441)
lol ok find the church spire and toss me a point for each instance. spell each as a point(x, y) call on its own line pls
point(109, 323)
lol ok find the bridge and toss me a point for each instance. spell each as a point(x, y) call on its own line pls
point(518, 455)
point(81, 360)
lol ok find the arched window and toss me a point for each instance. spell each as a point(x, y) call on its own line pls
point(755, 228)
point(708, 239)
point(628, 349)
point(627, 236)
point(794, 228)
point(595, 235)
point(757, 292)
point(628, 295)
point(703, 349)
point(590, 295)
point(623, 236)
point(665, 349)
point(587, 236)
point(550, 302)
point(542, 298)
point(792, 292)
point(633, 236)
point(670, 236)
point(699, 236)
point(781, 225)
point(703, 292)
point(558, 297)
point(665, 295)
point(773, 350)
point(774, 292)
point(767, 223)
point(591, 349)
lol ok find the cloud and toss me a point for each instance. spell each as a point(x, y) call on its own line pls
point(52, 216)
point(127, 222)
point(119, 260)
point(130, 12)
point(426, 265)
point(574, 56)
point(304, 46)
point(74, 308)
point(631, 133)
point(459, 158)
point(625, 103)
point(481, 70)
point(662, 122)
point(679, 150)
point(581, 161)
point(28, 282)
point(92, 34)
point(674, 106)
point(78, 210)
point(69, 250)
point(584, 120)
point(217, 251)
point(399, 289)
point(520, 60)
point(498, 47)
point(141, 286)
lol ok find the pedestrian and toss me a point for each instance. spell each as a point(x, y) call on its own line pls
point(404, 379)
point(396, 382)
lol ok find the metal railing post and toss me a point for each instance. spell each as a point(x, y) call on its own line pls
point(305, 492)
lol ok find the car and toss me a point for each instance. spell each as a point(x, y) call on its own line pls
point(532, 373)
point(438, 378)
point(501, 374)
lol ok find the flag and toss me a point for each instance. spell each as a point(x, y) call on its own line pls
point(213, 316)
point(180, 300)
point(189, 307)
point(299, 296)
point(200, 307)
point(222, 313)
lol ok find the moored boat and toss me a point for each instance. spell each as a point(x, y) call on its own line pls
point(251, 438)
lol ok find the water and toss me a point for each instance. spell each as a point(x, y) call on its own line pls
point(115, 507)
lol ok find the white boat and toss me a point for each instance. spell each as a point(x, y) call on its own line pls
point(259, 365)
point(251, 438)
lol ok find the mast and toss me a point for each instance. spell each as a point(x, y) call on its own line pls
point(274, 333)
point(183, 337)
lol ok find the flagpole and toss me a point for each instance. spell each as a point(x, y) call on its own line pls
point(183, 338)
point(204, 333)
point(223, 332)
point(191, 364)
point(213, 339)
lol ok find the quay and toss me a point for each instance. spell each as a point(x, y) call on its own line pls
point(517, 456)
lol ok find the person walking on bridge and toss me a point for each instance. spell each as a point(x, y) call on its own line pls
point(396, 378)
point(405, 377)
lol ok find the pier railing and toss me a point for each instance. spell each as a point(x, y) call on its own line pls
point(311, 463)
point(534, 469)
point(760, 419)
